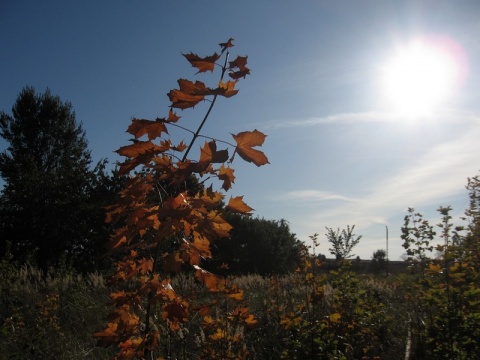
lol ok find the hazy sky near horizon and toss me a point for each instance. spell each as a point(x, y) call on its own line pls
point(340, 153)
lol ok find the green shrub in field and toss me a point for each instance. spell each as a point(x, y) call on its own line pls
point(444, 288)
point(336, 318)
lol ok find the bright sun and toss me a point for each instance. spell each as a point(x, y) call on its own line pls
point(418, 78)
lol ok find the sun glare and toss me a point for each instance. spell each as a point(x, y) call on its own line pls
point(418, 78)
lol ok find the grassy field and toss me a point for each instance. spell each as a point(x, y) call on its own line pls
point(318, 313)
point(54, 317)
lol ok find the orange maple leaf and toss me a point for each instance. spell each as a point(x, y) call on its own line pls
point(140, 148)
point(145, 266)
point(119, 238)
point(172, 117)
point(226, 174)
point(236, 204)
point(208, 321)
point(226, 89)
point(219, 334)
point(244, 314)
point(202, 64)
point(237, 295)
point(246, 141)
point(197, 250)
point(220, 227)
point(201, 245)
point(153, 129)
point(209, 197)
point(193, 88)
point(180, 147)
point(211, 281)
point(131, 348)
point(181, 100)
point(250, 321)
point(209, 153)
point(240, 62)
point(189, 94)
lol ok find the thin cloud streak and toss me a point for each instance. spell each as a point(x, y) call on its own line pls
point(313, 195)
point(447, 116)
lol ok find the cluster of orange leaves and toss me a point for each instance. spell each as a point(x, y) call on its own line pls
point(157, 208)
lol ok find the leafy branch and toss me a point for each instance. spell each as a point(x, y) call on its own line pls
point(167, 220)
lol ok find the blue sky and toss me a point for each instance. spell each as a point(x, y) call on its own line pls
point(339, 155)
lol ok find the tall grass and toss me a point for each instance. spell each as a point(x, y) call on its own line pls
point(50, 316)
point(53, 316)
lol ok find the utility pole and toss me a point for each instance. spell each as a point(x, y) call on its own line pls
point(386, 228)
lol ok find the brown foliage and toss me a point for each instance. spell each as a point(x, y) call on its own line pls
point(165, 226)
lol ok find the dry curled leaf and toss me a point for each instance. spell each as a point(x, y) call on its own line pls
point(202, 64)
point(226, 45)
point(240, 62)
point(181, 100)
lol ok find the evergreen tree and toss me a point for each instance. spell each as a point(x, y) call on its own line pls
point(48, 205)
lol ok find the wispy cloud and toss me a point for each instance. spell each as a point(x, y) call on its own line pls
point(426, 182)
point(312, 195)
point(371, 116)
point(437, 175)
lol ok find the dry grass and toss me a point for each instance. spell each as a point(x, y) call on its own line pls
point(51, 316)
point(55, 316)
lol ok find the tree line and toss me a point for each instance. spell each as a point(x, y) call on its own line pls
point(52, 206)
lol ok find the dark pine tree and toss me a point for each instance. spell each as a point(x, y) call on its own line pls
point(50, 204)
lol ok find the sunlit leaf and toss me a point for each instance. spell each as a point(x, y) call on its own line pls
point(219, 334)
point(236, 295)
point(246, 141)
point(211, 281)
point(193, 88)
point(226, 89)
point(236, 204)
point(226, 175)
